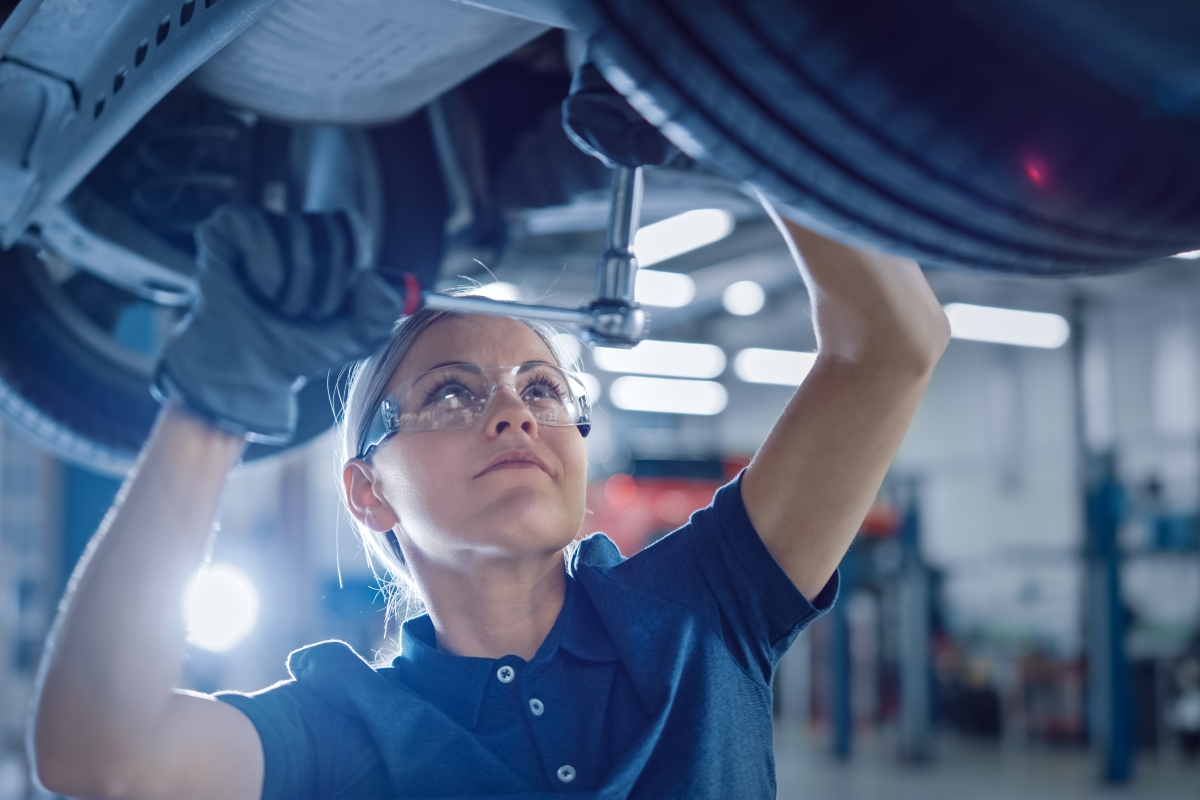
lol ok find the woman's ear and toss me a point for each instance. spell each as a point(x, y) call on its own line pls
point(364, 498)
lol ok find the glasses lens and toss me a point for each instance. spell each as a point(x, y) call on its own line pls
point(450, 397)
point(551, 394)
point(457, 396)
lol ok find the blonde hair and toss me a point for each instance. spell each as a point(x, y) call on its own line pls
point(366, 388)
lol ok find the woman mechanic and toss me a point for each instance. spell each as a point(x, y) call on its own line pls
point(531, 673)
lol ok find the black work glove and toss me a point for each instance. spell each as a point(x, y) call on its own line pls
point(282, 298)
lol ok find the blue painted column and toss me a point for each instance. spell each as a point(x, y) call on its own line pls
point(915, 664)
point(86, 497)
point(840, 711)
point(1109, 697)
point(1110, 702)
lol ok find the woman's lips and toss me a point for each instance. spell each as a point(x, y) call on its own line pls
point(521, 459)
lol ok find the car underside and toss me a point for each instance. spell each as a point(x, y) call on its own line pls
point(1040, 138)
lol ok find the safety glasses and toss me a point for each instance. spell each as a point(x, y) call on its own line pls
point(458, 395)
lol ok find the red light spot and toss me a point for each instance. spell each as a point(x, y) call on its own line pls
point(620, 490)
point(673, 507)
point(1035, 170)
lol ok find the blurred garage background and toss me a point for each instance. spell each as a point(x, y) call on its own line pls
point(1020, 614)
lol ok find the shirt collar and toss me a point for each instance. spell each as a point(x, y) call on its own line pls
point(455, 684)
point(585, 635)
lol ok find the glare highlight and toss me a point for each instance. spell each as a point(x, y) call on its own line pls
point(672, 359)
point(664, 289)
point(668, 396)
point(1007, 326)
point(499, 290)
point(743, 298)
point(220, 606)
point(680, 234)
point(778, 367)
point(1190, 254)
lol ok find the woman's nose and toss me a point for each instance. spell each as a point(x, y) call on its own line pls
point(509, 410)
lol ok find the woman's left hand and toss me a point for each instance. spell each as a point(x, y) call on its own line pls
point(880, 332)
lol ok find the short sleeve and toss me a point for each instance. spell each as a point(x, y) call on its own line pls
point(309, 749)
point(718, 566)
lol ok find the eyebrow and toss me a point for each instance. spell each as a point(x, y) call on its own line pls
point(466, 364)
point(471, 367)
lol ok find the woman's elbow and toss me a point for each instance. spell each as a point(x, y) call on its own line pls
point(71, 779)
point(907, 354)
point(63, 767)
point(934, 340)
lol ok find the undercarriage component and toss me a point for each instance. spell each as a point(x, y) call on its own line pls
point(77, 76)
point(88, 300)
point(373, 61)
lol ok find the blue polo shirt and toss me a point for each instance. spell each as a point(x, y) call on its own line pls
point(653, 683)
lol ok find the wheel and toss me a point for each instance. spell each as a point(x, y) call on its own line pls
point(76, 352)
point(933, 128)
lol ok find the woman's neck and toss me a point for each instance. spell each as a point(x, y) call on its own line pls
point(494, 609)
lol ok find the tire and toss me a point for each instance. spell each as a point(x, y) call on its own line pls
point(76, 352)
point(921, 127)
point(76, 390)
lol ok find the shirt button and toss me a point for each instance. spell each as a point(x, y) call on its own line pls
point(506, 674)
point(536, 707)
point(566, 773)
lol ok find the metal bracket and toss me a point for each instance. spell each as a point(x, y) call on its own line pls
point(111, 60)
point(125, 254)
point(614, 318)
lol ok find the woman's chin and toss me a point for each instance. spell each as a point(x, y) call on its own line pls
point(530, 518)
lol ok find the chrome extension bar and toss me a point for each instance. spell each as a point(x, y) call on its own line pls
point(613, 318)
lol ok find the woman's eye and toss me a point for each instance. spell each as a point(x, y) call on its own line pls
point(448, 392)
point(543, 391)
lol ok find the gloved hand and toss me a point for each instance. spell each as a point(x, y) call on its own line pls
point(282, 298)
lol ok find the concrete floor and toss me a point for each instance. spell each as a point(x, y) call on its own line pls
point(965, 770)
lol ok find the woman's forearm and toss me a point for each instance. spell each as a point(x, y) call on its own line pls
point(880, 332)
point(117, 647)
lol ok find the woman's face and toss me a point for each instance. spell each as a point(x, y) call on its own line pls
point(450, 505)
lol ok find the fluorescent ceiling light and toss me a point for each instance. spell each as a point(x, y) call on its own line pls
point(780, 367)
point(1189, 254)
point(743, 298)
point(666, 289)
point(680, 234)
point(1007, 326)
point(667, 396)
point(673, 359)
point(220, 606)
point(499, 290)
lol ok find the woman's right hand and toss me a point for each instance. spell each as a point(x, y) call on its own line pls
point(283, 298)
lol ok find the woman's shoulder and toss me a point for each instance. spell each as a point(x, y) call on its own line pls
point(326, 675)
point(319, 660)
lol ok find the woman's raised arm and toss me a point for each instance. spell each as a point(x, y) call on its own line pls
point(880, 332)
point(283, 297)
point(107, 722)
